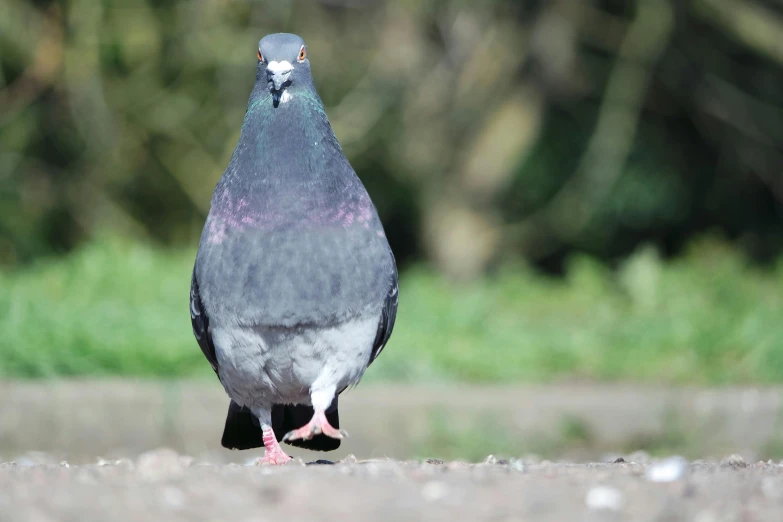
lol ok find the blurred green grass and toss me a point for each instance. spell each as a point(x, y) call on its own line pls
point(121, 308)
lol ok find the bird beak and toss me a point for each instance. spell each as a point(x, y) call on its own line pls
point(278, 73)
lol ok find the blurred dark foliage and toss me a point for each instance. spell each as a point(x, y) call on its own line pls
point(484, 130)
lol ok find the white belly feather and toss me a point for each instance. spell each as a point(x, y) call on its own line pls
point(261, 366)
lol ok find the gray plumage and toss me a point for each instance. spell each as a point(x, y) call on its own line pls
point(294, 288)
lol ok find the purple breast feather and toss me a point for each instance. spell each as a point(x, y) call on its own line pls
point(236, 214)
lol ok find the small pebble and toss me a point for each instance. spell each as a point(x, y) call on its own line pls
point(771, 488)
point(87, 476)
point(733, 461)
point(299, 461)
point(667, 470)
point(124, 463)
point(186, 460)
point(34, 458)
point(516, 465)
point(434, 491)
point(173, 497)
point(490, 460)
point(161, 463)
point(610, 457)
point(604, 498)
point(348, 459)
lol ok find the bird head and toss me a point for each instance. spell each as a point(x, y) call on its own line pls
point(282, 62)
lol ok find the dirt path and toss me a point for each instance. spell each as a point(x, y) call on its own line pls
point(81, 420)
point(162, 485)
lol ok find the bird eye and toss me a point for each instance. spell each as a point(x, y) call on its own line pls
point(302, 54)
point(260, 56)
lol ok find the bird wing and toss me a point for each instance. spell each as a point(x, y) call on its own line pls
point(200, 322)
point(388, 315)
point(385, 325)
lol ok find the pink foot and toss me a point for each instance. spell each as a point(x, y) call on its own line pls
point(317, 425)
point(273, 460)
point(273, 453)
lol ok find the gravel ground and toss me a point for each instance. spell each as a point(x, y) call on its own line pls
point(163, 485)
point(43, 423)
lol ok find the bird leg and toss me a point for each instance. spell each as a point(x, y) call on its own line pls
point(273, 453)
point(317, 425)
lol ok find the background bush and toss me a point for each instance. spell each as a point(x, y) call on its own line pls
point(592, 141)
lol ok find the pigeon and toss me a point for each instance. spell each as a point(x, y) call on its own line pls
point(294, 289)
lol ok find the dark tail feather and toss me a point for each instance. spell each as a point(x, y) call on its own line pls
point(290, 417)
point(242, 429)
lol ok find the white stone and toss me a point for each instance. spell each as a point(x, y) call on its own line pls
point(434, 490)
point(667, 470)
point(604, 497)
